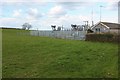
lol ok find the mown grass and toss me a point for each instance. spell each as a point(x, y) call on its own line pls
point(26, 56)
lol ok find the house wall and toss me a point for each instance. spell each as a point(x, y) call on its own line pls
point(101, 27)
point(114, 30)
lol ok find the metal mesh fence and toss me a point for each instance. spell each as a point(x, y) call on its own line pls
point(77, 35)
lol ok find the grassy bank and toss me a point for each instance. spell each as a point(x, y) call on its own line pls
point(43, 57)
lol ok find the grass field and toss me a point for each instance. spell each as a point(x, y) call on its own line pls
point(25, 56)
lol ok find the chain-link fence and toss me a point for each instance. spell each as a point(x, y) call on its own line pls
point(77, 35)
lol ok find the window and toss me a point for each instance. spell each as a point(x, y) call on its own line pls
point(97, 30)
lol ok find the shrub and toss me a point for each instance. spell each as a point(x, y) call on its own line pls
point(103, 37)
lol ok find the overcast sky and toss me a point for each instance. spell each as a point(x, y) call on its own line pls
point(42, 14)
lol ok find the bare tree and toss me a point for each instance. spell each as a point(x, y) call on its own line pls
point(26, 26)
point(29, 26)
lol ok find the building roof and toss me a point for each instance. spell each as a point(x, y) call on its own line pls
point(108, 25)
point(112, 25)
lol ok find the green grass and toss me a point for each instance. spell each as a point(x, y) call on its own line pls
point(27, 56)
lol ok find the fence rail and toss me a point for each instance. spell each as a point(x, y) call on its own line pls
point(77, 35)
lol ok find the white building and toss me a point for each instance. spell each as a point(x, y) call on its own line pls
point(103, 27)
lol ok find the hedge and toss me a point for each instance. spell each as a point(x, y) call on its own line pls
point(103, 37)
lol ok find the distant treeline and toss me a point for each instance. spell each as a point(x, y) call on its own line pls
point(10, 28)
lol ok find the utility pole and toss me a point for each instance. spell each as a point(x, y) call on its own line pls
point(100, 12)
point(92, 17)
